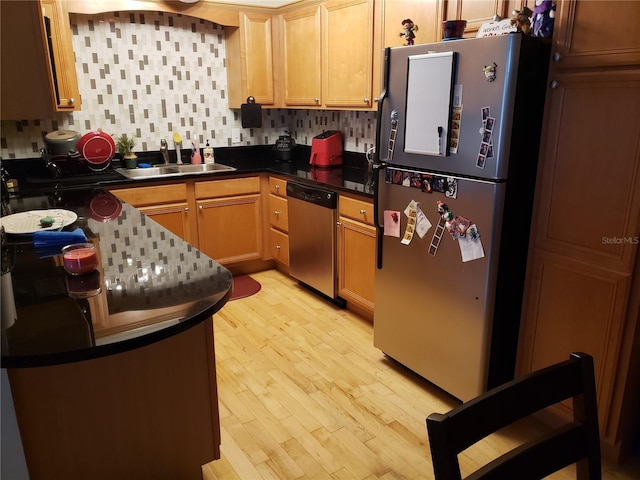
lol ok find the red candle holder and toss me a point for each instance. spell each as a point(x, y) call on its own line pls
point(84, 286)
point(79, 258)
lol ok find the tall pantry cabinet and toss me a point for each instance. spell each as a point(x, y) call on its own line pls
point(583, 287)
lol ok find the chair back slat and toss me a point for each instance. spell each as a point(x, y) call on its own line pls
point(455, 431)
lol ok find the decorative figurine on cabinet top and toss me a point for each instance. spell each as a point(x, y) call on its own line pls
point(544, 13)
point(409, 31)
point(522, 20)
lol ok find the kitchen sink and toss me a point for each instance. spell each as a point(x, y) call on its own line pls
point(173, 170)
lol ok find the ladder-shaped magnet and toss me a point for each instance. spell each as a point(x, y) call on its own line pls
point(437, 236)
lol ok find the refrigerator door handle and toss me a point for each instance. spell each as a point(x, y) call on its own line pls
point(377, 168)
point(382, 98)
point(380, 165)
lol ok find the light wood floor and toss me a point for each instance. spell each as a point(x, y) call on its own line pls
point(304, 394)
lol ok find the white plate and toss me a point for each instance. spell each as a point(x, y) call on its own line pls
point(29, 222)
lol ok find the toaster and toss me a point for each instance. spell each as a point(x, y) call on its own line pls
point(326, 149)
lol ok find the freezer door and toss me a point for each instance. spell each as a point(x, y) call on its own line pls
point(412, 75)
point(433, 312)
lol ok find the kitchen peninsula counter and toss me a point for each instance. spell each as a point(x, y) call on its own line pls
point(112, 375)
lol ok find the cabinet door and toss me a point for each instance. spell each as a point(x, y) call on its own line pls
point(257, 48)
point(173, 216)
point(65, 80)
point(584, 254)
point(356, 262)
point(28, 86)
point(301, 46)
point(477, 12)
point(423, 13)
point(230, 229)
point(347, 53)
point(592, 33)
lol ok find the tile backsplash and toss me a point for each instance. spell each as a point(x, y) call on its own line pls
point(150, 73)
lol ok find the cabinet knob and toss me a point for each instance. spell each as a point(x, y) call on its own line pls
point(363, 211)
point(186, 209)
point(554, 84)
point(376, 100)
point(72, 101)
point(276, 213)
point(277, 187)
point(365, 100)
point(338, 223)
point(200, 207)
point(317, 100)
point(557, 57)
point(277, 247)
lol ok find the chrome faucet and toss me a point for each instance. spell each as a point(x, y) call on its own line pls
point(164, 150)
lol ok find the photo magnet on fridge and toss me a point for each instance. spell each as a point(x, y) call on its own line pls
point(439, 184)
point(426, 183)
point(392, 223)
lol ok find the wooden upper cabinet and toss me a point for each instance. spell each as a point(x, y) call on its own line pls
point(347, 53)
point(595, 33)
point(423, 13)
point(572, 222)
point(302, 57)
point(477, 12)
point(63, 62)
point(29, 88)
point(250, 60)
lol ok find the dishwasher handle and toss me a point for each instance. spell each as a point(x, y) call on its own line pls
point(315, 195)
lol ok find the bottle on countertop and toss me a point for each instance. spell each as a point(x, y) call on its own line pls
point(196, 158)
point(208, 154)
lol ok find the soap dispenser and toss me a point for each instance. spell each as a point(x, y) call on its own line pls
point(208, 154)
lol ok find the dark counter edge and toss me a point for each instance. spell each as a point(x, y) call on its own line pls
point(55, 359)
point(245, 159)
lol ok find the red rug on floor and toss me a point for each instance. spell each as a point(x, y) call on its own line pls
point(244, 286)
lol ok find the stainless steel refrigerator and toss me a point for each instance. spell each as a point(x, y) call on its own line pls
point(457, 144)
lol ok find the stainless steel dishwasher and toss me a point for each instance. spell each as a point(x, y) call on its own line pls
point(312, 237)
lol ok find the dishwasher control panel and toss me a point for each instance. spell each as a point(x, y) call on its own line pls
point(315, 195)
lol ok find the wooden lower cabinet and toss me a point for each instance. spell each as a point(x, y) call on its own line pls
point(151, 412)
point(278, 221)
point(166, 204)
point(230, 229)
point(230, 219)
point(172, 216)
point(356, 252)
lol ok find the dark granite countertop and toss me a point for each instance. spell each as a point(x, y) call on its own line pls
point(152, 285)
point(354, 175)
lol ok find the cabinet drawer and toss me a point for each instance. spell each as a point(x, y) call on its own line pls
point(278, 186)
point(359, 210)
point(278, 213)
point(279, 246)
point(227, 188)
point(141, 196)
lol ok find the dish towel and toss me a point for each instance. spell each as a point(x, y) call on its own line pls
point(53, 238)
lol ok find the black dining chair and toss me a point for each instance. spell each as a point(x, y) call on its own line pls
point(577, 441)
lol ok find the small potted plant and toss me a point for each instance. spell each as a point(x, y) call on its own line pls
point(125, 145)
